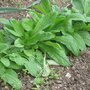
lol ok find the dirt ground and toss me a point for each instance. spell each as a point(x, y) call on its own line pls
point(76, 77)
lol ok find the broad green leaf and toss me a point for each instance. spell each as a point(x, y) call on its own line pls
point(60, 19)
point(33, 67)
point(82, 6)
point(79, 26)
point(35, 15)
point(13, 65)
point(44, 22)
point(68, 26)
point(8, 37)
point(1, 36)
point(86, 37)
point(73, 15)
point(44, 6)
point(27, 24)
point(58, 25)
point(87, 7)
point(45, 36)
point(88, 27)
point(30, 53)
point(11, 77)
point(2, 69)
point(17, 27)
point(12, 32)
point(34, 3)
point(39, 57)
point(5, 61)
point(88, 19)
point(69, 42)
point(17, 43)
point(80, 41)
point(56, 9)
point(78, 4)
point(55, 52)
point(77, 17)
point(42, 36)
point(3, 47)
point(5, 21)
point(15, 57)
point(12, 49)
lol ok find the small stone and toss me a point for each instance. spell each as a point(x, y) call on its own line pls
point(27, 15)
point(59, 81)
point(6, 88)
point(68, 75)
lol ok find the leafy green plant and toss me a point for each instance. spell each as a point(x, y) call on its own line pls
point(33, 43)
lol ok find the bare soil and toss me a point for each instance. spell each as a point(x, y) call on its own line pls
point(76, 77)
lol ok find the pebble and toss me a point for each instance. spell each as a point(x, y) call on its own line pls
point(68, 75)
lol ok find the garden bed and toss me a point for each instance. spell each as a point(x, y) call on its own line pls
point(76, 77)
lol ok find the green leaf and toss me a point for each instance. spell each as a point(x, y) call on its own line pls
point(88, 19)
point(86, 37)
point(27, 24)
point(38, 81)
point(9, 10)
point(5, 61)
point(12, 32)
point(17, 43)
point(35, 15)
point(8, 37)
point(15, 57)
point(56, 52)
point(39, 57)
point(42, 6)
point(30, 53)
point(34, 3)
point(17, 27)
point(78, 4)
point(3, 47)
point(56, 9)
point(2, 69)
point(80, 41)
point(42, 36)
point(69, 42)
point(87, 7)
point(13, 65)
point(33, 67)
point(82, 6)
point(1, 36)
point(5, 21)
point(44, 22)
point(11, 77)
point(45, 36)
point(77, 17)
point(79, 26)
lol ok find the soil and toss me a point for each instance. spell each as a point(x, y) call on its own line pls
point(76, 77)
